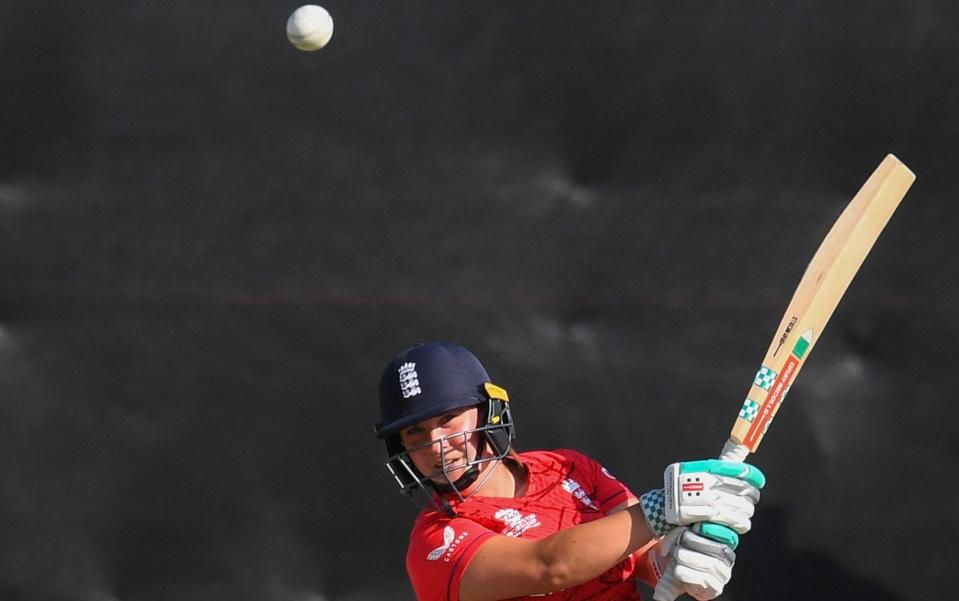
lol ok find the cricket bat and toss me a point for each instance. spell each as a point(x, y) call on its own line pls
point(824, 282)
point(821, 288)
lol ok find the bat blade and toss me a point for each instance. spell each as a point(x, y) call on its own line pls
point(822, 286)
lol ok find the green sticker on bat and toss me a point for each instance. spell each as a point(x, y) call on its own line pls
point(764, 378)
point(802, 345)
point(749, 410)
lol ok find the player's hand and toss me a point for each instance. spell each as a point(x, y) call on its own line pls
point(688, 563)
point(708, 490)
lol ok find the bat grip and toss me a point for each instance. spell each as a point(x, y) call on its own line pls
point(668, 588)
point(734, 451)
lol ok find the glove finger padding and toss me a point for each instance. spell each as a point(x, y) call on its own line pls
point(717, 532)
point(702, 566)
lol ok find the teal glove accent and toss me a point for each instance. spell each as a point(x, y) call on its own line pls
point(743, 471)
point(718, 532)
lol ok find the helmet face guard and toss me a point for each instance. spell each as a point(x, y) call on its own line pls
point(493, 437)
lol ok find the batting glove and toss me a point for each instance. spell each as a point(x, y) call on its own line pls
point(688, 563)
point(721, 492)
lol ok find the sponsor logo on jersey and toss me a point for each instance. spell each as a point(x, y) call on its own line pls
point(573, 487)
point(450, 542)
point(516, 523)
point(409, 380)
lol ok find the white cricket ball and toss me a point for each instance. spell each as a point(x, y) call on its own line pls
point(310, 27)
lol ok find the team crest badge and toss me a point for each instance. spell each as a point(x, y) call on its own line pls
point(409, 380)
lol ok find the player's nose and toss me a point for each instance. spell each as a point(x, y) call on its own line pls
point(438, 442)
point(442, 443)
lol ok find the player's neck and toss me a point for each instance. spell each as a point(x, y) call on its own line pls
point(508, 480)
point(520, 476)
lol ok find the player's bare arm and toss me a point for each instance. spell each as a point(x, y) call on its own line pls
point(506, 567)
point(724, 493)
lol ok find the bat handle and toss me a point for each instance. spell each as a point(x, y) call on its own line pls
point(734, 451)
point(668, 588)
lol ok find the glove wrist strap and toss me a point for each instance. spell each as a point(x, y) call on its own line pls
point(654, 509)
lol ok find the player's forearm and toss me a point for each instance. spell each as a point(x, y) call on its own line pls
point(579, 554)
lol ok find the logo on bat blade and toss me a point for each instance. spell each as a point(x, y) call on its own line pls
point(771, 404)
point(782, 339)
point(802, 344)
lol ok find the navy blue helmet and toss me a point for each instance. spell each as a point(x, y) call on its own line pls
point(430, 379)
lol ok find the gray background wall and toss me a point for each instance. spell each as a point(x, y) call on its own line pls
point(211, 243)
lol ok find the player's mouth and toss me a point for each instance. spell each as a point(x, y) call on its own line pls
point(453, 465)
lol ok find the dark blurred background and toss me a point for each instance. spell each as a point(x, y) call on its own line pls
point(211, 244)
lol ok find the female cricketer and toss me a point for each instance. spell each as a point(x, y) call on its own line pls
point(500, 524)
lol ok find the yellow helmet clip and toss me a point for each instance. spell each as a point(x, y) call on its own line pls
point(495, 392)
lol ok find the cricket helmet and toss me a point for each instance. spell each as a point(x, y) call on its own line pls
point(427, 380)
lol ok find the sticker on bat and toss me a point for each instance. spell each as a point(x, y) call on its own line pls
point(782, 339)
point(771, 404)
point(749, 410)
point(802, 344)
point(764, 378)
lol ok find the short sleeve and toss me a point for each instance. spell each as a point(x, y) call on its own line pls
point(607, 491)
point(439, 551)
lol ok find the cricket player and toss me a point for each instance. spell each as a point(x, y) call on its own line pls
point(499, 524)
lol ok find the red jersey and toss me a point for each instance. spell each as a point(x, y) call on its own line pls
point(565, 488)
